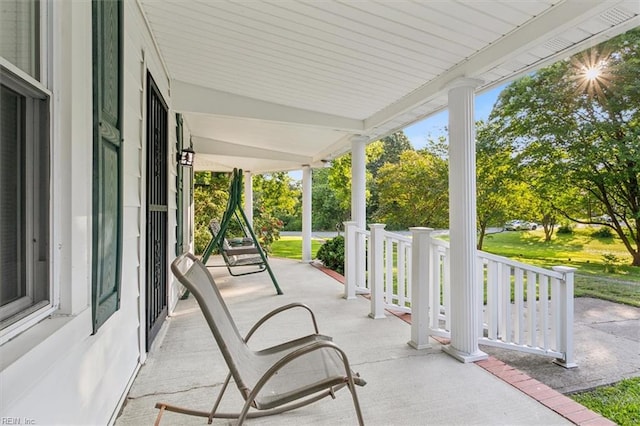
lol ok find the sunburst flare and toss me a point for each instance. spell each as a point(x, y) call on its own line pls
point(592, 72)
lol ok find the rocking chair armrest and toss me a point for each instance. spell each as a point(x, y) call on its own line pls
point(279, 310)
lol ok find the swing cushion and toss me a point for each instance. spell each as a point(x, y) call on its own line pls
point(245, 241)
point(236, 255)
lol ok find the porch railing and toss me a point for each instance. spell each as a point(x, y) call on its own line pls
point(525, 308)
point(357, 262)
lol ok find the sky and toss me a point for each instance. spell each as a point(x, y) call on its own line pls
point(434, 126)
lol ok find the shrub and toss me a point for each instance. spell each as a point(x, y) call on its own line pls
point(565, 229)
point(603, 232)
point(610, 261)
point(267, 229)
point(331, 253)
point(292, 223)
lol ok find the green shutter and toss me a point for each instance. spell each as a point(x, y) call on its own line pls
point(191, 176)
point(179, 191)
point(107, 159)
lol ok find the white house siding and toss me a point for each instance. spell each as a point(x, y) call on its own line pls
point(141, 57)
point(57, 372)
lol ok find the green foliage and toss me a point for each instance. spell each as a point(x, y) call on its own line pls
point(565, 229)
point(293, 223)
point(334, 194)
point(332, 254)
point(327, 209)
point(619, 403)
point(610, 260)
point(339, 178)
point(267, 229)
point(210, 201)
point(602, 232)
point(277, 195)
point(385, 151)
point(211, 194)
point(500, 194)
point(391, 148)
point(583, 133)
point(414, 191)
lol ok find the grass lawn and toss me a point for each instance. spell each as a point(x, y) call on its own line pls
point(291, 247)
point(617, 282)
point(619, 403)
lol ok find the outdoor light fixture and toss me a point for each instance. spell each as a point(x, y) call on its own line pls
point(185, 158)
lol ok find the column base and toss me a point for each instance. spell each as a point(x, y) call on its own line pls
point(463, 356)
point(567, 365)
point(415, 345)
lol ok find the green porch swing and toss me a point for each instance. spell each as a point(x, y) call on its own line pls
point(244, 253)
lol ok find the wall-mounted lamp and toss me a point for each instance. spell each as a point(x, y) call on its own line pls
point(185, 158)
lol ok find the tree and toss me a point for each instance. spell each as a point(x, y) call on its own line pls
point(277, 195)
point(391, 148)
point(211, 192)
point(383, 151)
point(327, 210)
point(414, 191)
point(500, 195)
point(339, 178)
point(580, 118)
point(378, 153)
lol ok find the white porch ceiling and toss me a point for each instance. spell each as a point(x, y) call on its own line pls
point(274, 84)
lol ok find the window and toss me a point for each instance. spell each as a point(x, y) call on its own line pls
point(20, 34)
point(24, 166)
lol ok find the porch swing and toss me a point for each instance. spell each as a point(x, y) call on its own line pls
point(242, 254)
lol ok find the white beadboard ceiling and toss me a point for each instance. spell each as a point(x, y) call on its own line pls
point(268, 85)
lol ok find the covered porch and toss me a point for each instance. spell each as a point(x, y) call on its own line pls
point(293, 86)
point(404, 385)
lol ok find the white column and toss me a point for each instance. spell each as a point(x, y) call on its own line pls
point(420, 275)
point(248, 197)
point(359, 201)
point(306, 213)
point(358, 181)
point(465, 291)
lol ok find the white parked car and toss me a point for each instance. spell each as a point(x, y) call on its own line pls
point(520, 225)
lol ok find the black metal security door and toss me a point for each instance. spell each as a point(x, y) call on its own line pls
point(157, 210)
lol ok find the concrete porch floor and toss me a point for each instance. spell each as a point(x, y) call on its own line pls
point(404, 386)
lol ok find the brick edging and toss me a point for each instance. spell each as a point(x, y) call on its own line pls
point(333, 274)
point(550, 398)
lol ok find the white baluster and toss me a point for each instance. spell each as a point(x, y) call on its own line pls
point(388, 276)
point(531, 308)
point(376, 273)
point(518, 300)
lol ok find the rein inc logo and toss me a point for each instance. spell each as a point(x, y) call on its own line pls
point(16, 421)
